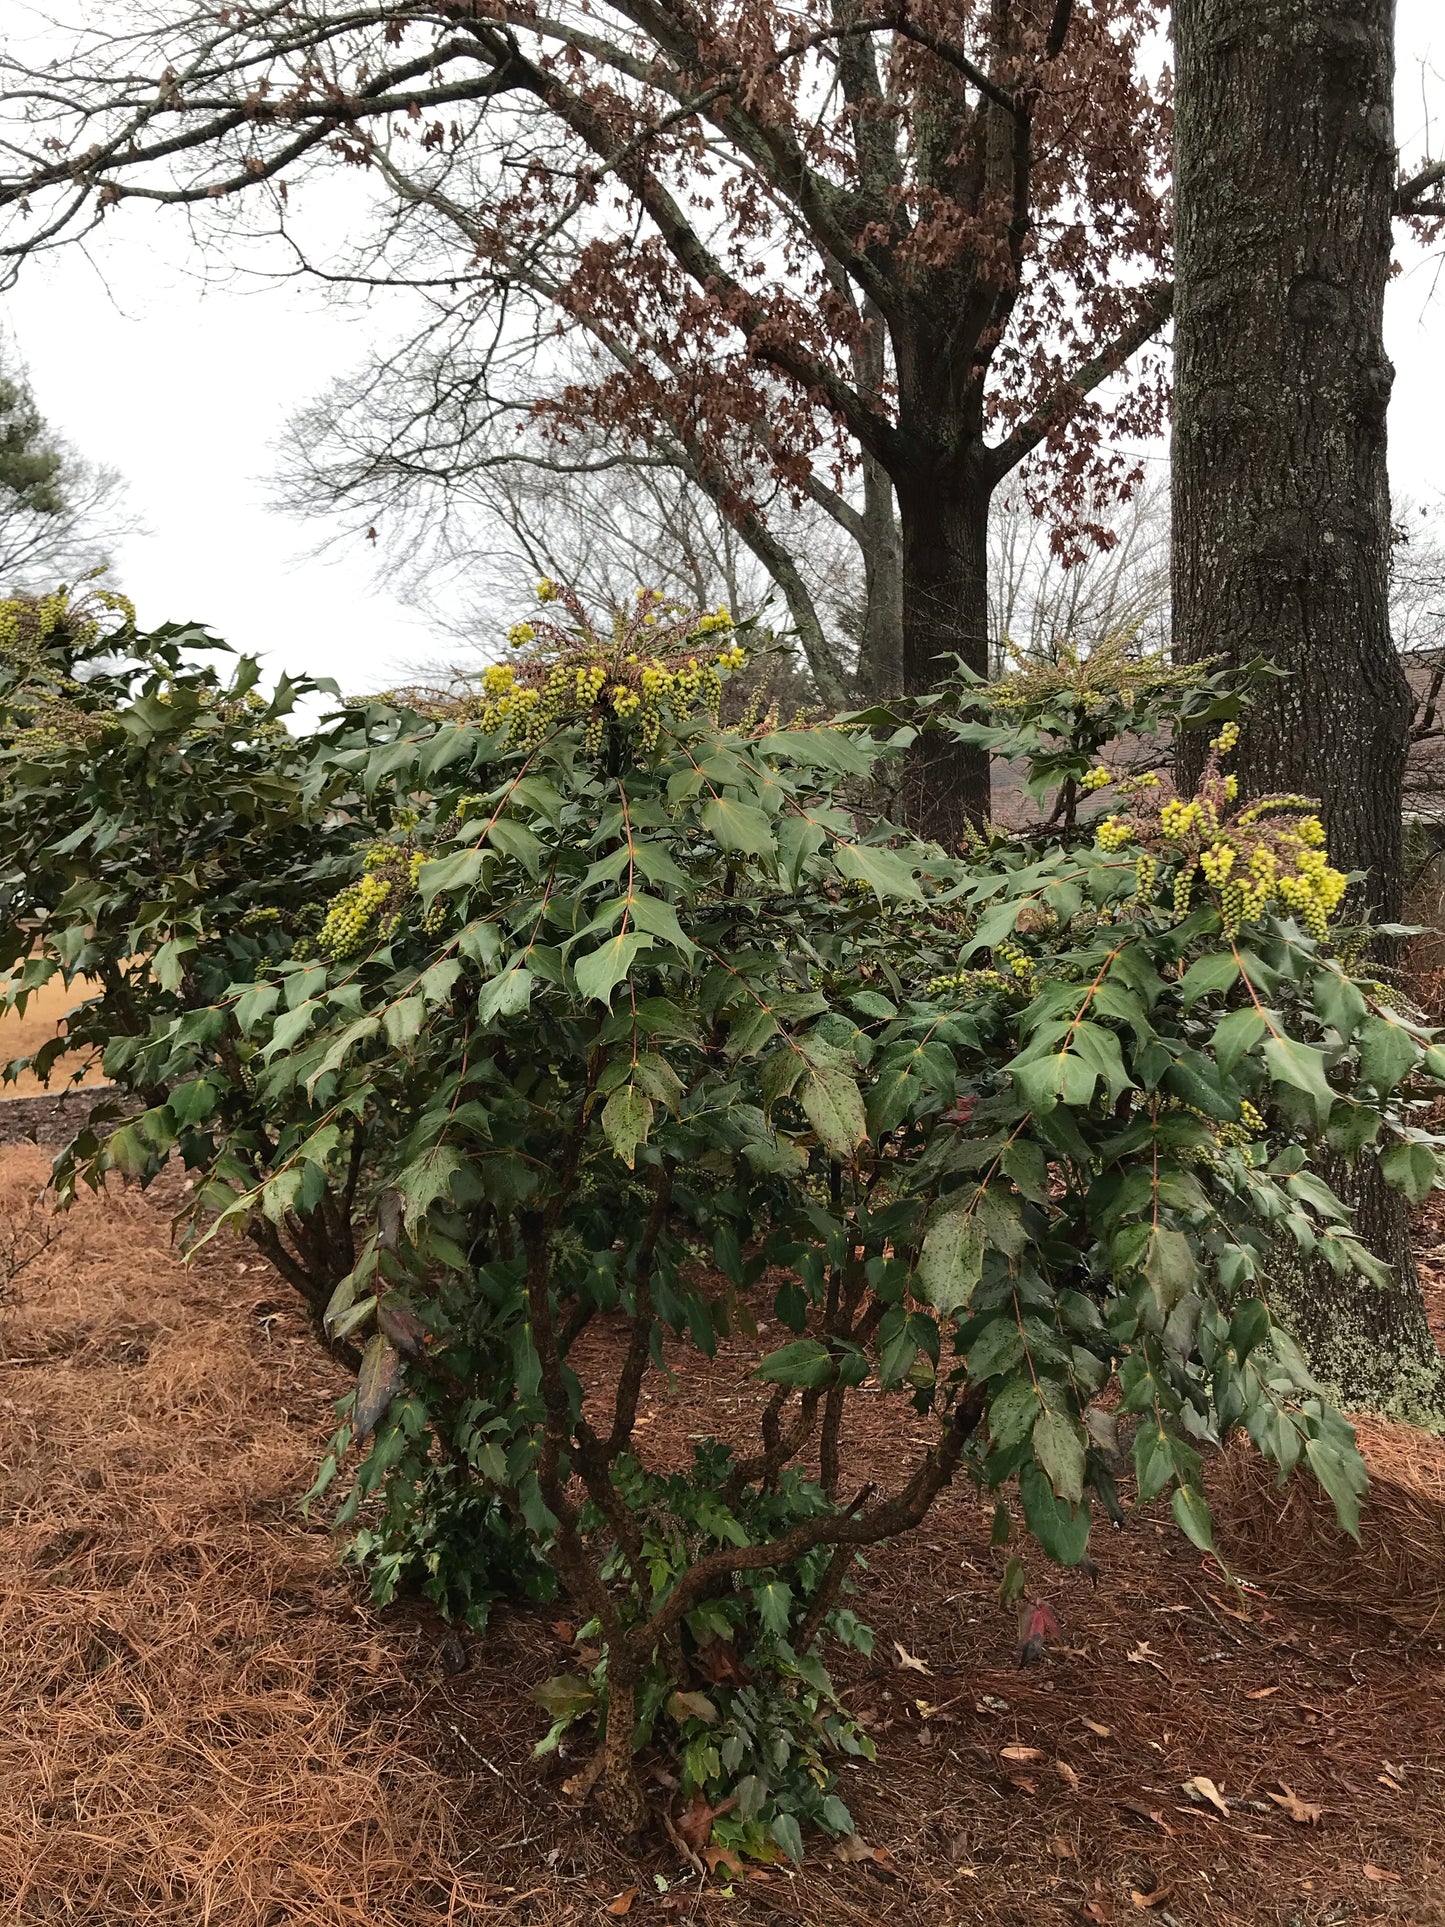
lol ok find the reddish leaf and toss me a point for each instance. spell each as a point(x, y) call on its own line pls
point(1039, 1629)
point(377, 1384)
point(623, 1902)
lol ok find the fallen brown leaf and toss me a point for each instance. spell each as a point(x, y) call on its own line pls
point(906, 1661)
point(724, 1857)
point(1143, 1655)
point(1020, 1755)
point(565, 1630)
point(622, 1904)
point(1060, 1848)
point(1097, 1910)
point(695, 1826)
point(1099, 1732)
point(1151, 1814)
point(853, 1848)
point(1159, 1895)
point(1023, 1785)
point(1261, 1693)
point(1201, 1787)
point(1067, 1774)
point(1300, 1811)
point(1379, 1873)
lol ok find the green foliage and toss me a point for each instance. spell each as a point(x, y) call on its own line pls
point(1015, 1135)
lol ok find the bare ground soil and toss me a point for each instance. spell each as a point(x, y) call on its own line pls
point(203, 1721)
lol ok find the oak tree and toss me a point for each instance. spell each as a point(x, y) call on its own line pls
point(920, 237)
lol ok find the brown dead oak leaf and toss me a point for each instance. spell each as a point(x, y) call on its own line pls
point(1143, 1655)
point(854, 1851)
point(906, 1661)
point(695, 1825)
point(1380, 1873)
point(622, 1904)
point(1021, 1755)
point(1300, 1811)
point(1159, 1895)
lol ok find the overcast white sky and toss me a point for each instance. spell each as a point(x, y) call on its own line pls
point(186, 387)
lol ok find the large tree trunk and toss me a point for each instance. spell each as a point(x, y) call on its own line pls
point(944, 523)
point(1284, 168)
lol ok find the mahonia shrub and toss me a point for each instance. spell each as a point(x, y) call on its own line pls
point(163, 840)
point(1007, 1136)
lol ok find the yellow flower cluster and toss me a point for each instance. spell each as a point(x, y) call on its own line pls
point(374, 903)
point(1115, 668)
point(1114, 832)
point(1177, 818)
point(1097, 779)
point(1217, 862)
point(646, 663)
point(1018, 961)
point(1269, 854)
point(351, 915)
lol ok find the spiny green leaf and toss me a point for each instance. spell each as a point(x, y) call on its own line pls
point(738, 827)
point(599, 974)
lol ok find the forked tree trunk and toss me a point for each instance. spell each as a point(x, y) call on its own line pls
point(944, 523)
point(1284, 168)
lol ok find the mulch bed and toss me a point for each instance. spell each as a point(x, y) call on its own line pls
point(202, 1719)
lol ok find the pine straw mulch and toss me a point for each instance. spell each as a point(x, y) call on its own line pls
point(202, 1724)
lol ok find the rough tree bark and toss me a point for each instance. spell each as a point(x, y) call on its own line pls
point(1284, 175)
point(944, 525)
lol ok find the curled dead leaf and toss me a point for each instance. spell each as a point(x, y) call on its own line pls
point(1202, 1788)
point(906, 1661)
point(1020, 1755)
point(1157, 1898)
point(1067, 1774)
point(622, 1904)
point(1373, 1872)
point(1261, 1693)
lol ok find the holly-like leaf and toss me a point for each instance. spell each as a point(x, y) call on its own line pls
point(834, 1108)
point(1303, 1067)
point(885, 871)
point(627, 1119)
point(738, 827)
point(599, 973)
point(951, 1262)
point(1411, 1168)
point(806, 1362)
point(1388, 1053)
point(1059, 1449)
